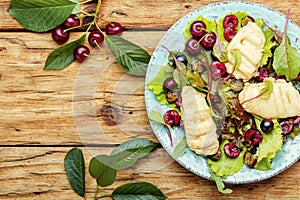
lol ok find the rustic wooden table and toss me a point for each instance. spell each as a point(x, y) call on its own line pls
point(46, 113)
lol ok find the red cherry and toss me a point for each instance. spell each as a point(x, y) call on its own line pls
point(113, 28)
point(172, 118)
point(230, 21)
point(209, 40)
point(81, 52)
point(59, 36)
point(95, 37)
point(229, 33)
point(231, 150)
point(71, 21)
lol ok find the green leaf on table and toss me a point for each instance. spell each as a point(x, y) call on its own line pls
point(132, 58)
point(77, 8)
point(144, 146)
point(270, 145)
point(138, 191)
point(63, 56)
point(180, 149)
point(226, 166)
point(104, 174)
point(41, 15)
point(157, 117)
point(75, 170)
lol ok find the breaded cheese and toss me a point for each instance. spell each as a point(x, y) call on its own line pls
point(249, 43)
point(283, 102)
point(200, 128)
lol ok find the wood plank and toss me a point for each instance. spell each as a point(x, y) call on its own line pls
point(151, 13)
point(38, 173)
point(86, 100)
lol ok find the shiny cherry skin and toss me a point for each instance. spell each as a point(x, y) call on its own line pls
point(80, 53)
point(113, 28)
point(172, 118)
point(208, 41)
point(230, 21)
point(193, 47)
point(198, 29)
point(297, 78)
point(169, 83)
point(218, 69)
point(95, 38)
point(71, 21)
point(229, 33)
point(266, 125)
point(59, 36)
point(181, 58)
point(253, 136)
point(231, 150)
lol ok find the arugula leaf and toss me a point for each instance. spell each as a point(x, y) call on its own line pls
point(132, 58)
point(103, 173)
point(41, 15)
point(286, 59)
point(180, 149)
point(63, 56)
point(267, 90)
point(226, 166)
point(75, 170)
point(138, 191)
point(270, 145)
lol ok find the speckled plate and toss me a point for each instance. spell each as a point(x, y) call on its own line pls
point(174, 40)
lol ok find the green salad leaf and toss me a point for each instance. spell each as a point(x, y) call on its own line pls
point(270, 145)
point(220, 185)
point(226, 166)
point(180, 149)
point(267, 90)
point(269, 45)
point(156, 85)
point(41, 15)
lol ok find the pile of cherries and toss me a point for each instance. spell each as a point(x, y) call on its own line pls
point(61, 35)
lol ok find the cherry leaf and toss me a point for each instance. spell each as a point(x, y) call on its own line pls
point(41, 15)
point(63, 56)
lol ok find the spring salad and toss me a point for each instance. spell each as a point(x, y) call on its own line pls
point(234, 90)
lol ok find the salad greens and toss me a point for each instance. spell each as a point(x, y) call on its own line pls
point(280, 59)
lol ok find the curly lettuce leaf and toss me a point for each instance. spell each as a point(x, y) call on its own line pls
point(226, 166)
point(270, 145)
point(156, 85)
point(269, 45)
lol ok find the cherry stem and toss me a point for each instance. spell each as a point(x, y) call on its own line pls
point(75, 27)
point(100, 29)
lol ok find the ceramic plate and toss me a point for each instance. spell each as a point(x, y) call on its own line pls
point(174, 40)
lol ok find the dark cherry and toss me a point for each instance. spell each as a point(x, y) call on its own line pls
point(253, 136)
point(229, 33)
point(231, 150)
point(59, 36)
point(80, 53)
point(169, 83)
point(230, 21)
point(71, 21)
point(262, 74)
point(172, 118)
point(193, 47)
point(95, 38)
point(266, 125)
point(198, 29)
point(113, 28)
point(209, 40)
point(218, 69)
point(286, 126)
point(181, 58)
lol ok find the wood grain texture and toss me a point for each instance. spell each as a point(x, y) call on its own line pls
point(38, 173)
point(62, 107)
point(145, 14)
